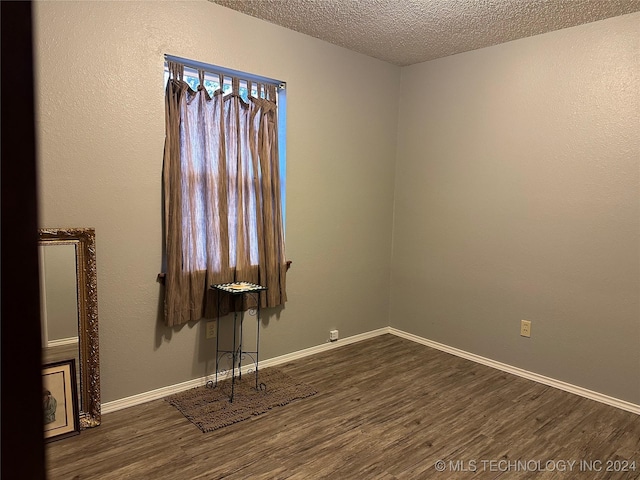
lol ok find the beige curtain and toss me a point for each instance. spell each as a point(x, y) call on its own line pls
point(223, 212)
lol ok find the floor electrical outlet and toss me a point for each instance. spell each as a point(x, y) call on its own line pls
point(211, 330)
point(333, 335)
point(525, 328)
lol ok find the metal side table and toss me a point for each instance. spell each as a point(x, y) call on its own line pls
point(237, 352)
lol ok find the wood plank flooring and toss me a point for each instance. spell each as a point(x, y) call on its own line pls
point(387, 409)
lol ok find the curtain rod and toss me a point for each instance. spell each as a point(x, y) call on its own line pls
point(224, 71)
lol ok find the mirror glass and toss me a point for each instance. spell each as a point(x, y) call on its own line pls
point(59, 315)
point(69, 310)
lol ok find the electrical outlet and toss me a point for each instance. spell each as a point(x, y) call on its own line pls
point(211, 329)
point(525, 328)
point(333, 335)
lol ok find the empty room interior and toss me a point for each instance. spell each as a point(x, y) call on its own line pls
point(462, 210)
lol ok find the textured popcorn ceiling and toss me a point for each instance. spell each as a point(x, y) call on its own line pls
point(404, 32)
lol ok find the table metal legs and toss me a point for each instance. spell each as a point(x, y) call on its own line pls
point(237, 353)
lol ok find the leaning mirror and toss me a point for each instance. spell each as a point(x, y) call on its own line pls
point(69, 310)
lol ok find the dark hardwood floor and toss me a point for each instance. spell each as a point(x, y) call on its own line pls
point(386, 408)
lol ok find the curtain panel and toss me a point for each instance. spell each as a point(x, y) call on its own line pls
point(222, 204)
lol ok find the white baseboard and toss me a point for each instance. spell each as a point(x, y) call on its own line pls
point(289, 357)
point(61, 342)
point(552, 382)
point(115, 405)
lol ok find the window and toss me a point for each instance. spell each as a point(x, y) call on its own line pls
point(212, 83)
point(224, 173)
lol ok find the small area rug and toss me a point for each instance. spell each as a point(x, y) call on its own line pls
point(210, 409)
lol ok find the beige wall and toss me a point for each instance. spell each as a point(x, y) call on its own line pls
point(100, 121)
point(516, 188)
point(517, 197)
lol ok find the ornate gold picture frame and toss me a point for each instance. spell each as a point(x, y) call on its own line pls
point(87, 295)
